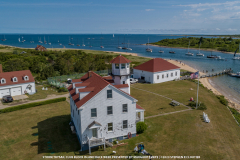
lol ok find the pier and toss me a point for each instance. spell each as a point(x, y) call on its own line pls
point(227, 71)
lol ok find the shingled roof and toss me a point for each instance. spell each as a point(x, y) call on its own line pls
point(156, 65)
point(20, 77)
point(94, 84)
point(120, 59)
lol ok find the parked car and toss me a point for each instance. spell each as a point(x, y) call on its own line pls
point(7, 99)
point(132, 80)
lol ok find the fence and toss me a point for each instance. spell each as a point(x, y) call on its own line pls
point(59, 81)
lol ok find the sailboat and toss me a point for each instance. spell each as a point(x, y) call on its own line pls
point(45, 42)
point(48, 41)
point(69, 41)
point(40, 41)
point(83, 42)
point(113, 35)
point(101, 42)
point(189, 53)
point(77, 43)
point(236, 58)
point(4, 39)
point(128, 46)
point(32, 41)
point(199, 54)
point(19, 40)
point(23, 40)
point(124, 44)
point(211, 56)
point(171, 51)
point(119, 47)
point(148, 49)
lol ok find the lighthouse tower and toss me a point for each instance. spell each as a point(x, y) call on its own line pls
point(121, 70)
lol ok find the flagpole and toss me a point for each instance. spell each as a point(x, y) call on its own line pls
point(197, 89)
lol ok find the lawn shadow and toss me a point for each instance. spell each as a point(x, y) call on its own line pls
point(54, 135)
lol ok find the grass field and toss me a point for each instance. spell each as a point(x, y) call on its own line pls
point(41, 94)
point(34, 132)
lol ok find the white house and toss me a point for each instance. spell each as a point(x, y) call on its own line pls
point(16, 83)
point(157, 70)
point(102, 109)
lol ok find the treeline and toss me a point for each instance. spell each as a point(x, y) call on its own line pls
point(54, 63)
point(220, 44)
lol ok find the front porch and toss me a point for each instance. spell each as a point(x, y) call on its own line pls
point(95, 142)
point(139, 114)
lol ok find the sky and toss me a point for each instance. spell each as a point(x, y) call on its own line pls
point(120, 16)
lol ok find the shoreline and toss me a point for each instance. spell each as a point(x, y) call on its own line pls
point(191, 48)
point(204, 81)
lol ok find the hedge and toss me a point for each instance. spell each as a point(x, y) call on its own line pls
point(29, 105)
point(141, 127)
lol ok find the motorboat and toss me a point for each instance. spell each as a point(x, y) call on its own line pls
point(200, 54)
point(235, 74)
point(171, 52)
point(219, 58)
point(161, 51)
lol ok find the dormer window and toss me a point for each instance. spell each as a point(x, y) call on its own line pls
point(15, 79)
point(3, 81)
point(26, 78)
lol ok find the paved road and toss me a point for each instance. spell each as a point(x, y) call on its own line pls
point(38, 100)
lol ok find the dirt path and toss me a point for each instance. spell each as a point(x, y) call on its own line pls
point(48, 98)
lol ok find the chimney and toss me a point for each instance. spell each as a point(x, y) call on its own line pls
point(1, 71)
point(89, 74)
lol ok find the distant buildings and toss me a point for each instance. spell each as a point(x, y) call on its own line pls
point(40, 48)
point(157, 70)
point(101, 107)
point(16, 83)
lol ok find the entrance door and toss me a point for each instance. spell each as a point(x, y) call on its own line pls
point(143, 78)
point(16, 91)
point(94, 132)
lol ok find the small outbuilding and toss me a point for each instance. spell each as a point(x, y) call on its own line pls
point(156, 70)
point(40, 48)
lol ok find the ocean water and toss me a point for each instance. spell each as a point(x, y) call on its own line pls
point(227, 85)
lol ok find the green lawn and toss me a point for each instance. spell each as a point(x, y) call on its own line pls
point(152, 103)
point(41, 94)
point(44, 130)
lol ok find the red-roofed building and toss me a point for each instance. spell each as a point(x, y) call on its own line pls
point(157, 70)
point(40, 48)
point(101, 110)
point(16, 83)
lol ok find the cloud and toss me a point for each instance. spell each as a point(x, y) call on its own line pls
point(218, 29)
point(210, 4)
point(231, 29)
point(149, 10)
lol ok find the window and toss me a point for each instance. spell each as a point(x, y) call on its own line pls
point(167, 75)
point(109, 93)
point(94, 132)
point(73, 113)
point(110, 127)
point(171, 74)
point(123, 82)
point(78, 112)
point(175, 73)
point(94, 112)
point(124, 108)
point(3, 80)
point(26, 78)
point(123, 66)
point(162, 76)
point(125, 124)
point(14, 79)
point(157, 76)
point(109, 110)
point(116, 66)
point(127, 65)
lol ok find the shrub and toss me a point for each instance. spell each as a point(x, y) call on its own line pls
point(141, 127)
point(202, 106)
point(236, 114)
point(223, 100)
point(62, 89)
point(29, 105)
